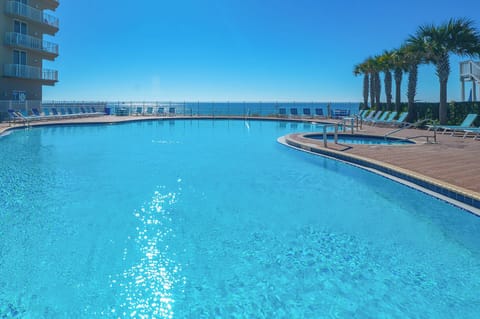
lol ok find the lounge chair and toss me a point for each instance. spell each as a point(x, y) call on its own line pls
point(383, 117)
point(388, 120)
point(370, 115)
point(161, 111)
point(400, 121)
point(139, 110)
point(319, 112)
point(94, 110)
point(38, 116)
point(293, 111)
point(56, 114)
point(467, 123)
point(374, 117)
point(340, 113)
point(149, 111)
point(307, 112)
point(171, 111)
point(473, 130)
point(15, 116)
point(282, 112)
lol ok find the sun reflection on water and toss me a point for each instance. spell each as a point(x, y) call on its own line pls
point(147, 286)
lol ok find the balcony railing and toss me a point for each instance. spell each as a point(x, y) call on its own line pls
point(22, 10)
point(470, 69)
point(29, 42)
point(29, 72)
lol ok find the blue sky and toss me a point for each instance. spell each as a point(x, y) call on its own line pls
point(236, 50)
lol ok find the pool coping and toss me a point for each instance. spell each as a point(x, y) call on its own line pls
point(456, 195)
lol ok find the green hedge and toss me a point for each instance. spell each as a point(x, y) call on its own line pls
point(456, 111)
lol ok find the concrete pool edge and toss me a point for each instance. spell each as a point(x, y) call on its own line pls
point(455, 195)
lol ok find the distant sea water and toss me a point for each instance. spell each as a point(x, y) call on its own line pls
point(239, 108)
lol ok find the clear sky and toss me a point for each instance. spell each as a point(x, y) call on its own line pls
point(236, 50)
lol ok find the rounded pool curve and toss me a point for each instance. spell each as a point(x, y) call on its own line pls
point(215, 219)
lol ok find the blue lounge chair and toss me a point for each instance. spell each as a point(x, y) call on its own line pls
point(282, 112)
point(467, 123)
point(15, 116)
point(171, 111)
point(293, 111)
point(374, 117)
point(307, 112)
point(387, 120)
point(473, 130)
point(370, 115)
point(161, 111)
point(94, 110)
point(139, 110)
point(319, 112)
point(340, 113)
point(38, 116)
point(401, 120)
point(149, 110)
point(383, 117)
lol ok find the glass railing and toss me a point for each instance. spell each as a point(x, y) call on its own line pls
point(20, 9)
point(29, 42)
point(29, 72)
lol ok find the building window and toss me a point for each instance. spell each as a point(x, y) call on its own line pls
point(19, 95)
point(19, 57)
point(19, 27)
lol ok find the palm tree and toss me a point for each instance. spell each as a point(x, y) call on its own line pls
point(373, 68)
point(413, 55)
point(399, 67)
point(386, 65)
point(358, 70)
point(370, 67)
point(457, 36)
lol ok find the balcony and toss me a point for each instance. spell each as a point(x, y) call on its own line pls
point(52, 4)
point(18, 9)
point(31, 73)
point(28, 42)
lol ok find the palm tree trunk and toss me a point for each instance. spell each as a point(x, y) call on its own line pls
point(372, 90)
point(398, 83)
point(388, 89)
point(443, 71)
point(365, 89)
point(412, 91)
point(378, 88)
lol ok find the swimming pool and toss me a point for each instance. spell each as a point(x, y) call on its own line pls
point(362, 139)
point(214, 219)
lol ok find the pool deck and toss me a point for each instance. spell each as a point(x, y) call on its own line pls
point(453, 162)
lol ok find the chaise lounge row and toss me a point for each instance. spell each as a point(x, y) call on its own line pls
point(52, 113)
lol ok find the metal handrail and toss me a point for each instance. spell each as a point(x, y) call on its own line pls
point(416, 124)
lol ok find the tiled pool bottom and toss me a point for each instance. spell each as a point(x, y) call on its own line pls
point(264, 232)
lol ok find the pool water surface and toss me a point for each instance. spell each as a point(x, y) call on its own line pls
point(215, 219)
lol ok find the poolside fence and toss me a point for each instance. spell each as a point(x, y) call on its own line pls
point(180, 108)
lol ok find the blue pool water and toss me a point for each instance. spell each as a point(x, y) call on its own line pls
point(361, 139)
point(214, 219)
